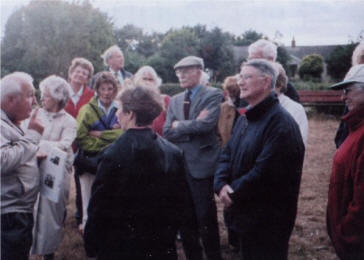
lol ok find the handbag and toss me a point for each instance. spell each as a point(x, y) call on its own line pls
point(88, 161)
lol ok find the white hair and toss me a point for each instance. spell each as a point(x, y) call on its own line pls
point(144, 70)
point(205, 77)
point(358, 55)
point(11, 84)
point(267, 48)
point(266, 67)
point(109, 52)
point(58, 88)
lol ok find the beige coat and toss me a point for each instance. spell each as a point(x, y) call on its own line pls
point(60, 131)
point(226, 121)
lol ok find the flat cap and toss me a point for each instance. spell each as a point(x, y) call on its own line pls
point(189, 61)
point(355, 74)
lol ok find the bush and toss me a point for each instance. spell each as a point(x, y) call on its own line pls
point(339, 61)
point(311, 67)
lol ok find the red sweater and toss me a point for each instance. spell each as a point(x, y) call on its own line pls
point(345, 209)
point(73, 109)
point(158, 123)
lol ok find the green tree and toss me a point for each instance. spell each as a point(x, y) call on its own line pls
point(43, 37)
point(339, 61)
point(311, 67)
point(247, 38)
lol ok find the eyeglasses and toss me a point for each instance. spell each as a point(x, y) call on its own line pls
point(347, 90)
point(248, 76)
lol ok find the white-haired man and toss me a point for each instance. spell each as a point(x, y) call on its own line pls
point(19, 170)
point(114, 60)
point(259, 170)
point(264, 49)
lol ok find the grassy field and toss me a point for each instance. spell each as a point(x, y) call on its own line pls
point(309, 239)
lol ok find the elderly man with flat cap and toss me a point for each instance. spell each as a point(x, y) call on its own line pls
point(345, 209)
point(191, 124)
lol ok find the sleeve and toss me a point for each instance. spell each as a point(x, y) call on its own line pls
point(190, 127)
point(89, 143)
point(101, 203)
point(207, 124)
point(15, 153)
point(280, 155)
point(223, 168)
point(351, 227)
point(67, 137)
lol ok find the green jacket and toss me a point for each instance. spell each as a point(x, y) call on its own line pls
point(88, 120)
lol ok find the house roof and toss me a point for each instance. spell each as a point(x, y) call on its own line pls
point(297, 53)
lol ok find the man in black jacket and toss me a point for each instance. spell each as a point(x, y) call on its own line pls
point(259, 171)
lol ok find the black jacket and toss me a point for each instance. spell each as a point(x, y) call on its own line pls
point(262, 162)
point(139, 198)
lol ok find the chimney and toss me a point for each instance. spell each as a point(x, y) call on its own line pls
point(293, 44)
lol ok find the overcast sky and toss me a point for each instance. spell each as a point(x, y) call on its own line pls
point(310, 22)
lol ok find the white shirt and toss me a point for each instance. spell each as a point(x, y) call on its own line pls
point(297, 111)
point(75, 97)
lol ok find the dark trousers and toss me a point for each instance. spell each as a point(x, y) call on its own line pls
point(78, 200)
point(206, 214)
point(264, 246)
point(16, 235)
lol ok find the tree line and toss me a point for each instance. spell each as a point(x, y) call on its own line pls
point(43, 37)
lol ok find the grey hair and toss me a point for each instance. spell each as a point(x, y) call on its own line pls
point(358, 55)
point(58, 88)
point(268, 49)
point(11, 84)
point(147, 69)
point(205, 77)
point(265, 67)
point(282, 78)
point(109, 52)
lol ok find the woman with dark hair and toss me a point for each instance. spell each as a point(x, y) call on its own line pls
point(97, 127)
point(140, 196)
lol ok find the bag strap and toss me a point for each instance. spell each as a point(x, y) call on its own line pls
point(99, 117)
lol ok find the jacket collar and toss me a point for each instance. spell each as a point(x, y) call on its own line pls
point(354, 118)
point(259, 110)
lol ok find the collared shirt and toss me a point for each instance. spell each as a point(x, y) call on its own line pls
point(117, 75)
point(106, 111)
point(75, 97)
point(193, 91)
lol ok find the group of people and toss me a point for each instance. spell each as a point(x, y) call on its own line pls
point(161, 160)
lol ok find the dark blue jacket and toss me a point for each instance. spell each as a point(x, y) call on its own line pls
point(262, 162)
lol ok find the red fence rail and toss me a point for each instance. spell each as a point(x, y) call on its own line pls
point(321, 97)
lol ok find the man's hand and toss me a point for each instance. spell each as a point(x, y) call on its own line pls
point(175, 124)
point(34, 123)
point(203, 114)
point(95, 133)
point(224, 196)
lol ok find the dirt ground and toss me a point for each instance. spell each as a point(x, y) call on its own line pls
point(309, 239)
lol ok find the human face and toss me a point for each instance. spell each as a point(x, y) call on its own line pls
point(254, 86)
point(106, 93)
point(22, 105)
point(148, 80)
point(48, 102)
point(116, 61)
point(188, 77)
point(124, 118)
point(353, 96)
point(79, 76)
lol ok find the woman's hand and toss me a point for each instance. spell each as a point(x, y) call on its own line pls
point(95, 133)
